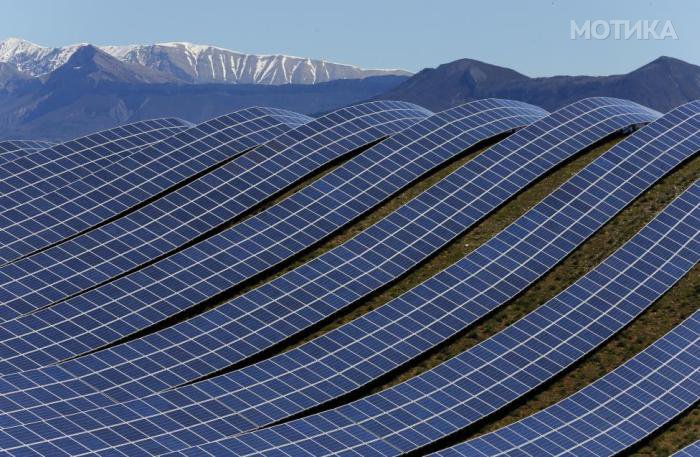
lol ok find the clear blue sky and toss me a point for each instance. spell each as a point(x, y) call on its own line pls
point(529, 36)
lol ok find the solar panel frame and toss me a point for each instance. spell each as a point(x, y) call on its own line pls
point(613, 413)
point(169, 222)
point(104, 380)
point(11, 150)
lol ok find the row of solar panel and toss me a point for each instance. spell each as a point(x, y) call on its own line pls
point(611, 414)
point(426, 408)
point(33, 224)
point(193, 345)
point(642, 120)
point(177, 218)
point(490, 375)
point(372, 258)
point(193, 210)
point(34, 174)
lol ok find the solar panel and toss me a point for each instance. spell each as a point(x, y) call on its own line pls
point(22, 145)
point(133, 179)
point(35, 174)
point(14, 149)
point(611, 414)
point(423, 225)
point(204, 204)
point(692, 450)
point(421, 410)
point(403, 154)
point(475, 383)
point(431, 312)
point(349, 190)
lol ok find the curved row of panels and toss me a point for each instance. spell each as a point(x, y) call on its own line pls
point(160, 250)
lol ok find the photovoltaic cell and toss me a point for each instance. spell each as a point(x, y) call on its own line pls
point(418, 411)
point(143, 174)
point(369, 260)
point(613, 413)
point(204, 204)
point(200, 347)
point(33, 175)
point(479, 381)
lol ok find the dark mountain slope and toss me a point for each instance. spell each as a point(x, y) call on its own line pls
point(661, 84)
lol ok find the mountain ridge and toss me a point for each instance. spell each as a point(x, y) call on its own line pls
point(193, 63)
point(662, 84)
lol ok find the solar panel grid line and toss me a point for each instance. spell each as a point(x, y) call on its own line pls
point(585, 419)
point(129, 181)
point(213, 211)
point(447, 376)
point(53, 163)
point(113, 287)
point(691, 450)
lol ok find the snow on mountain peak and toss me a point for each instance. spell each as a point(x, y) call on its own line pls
point(194, 63)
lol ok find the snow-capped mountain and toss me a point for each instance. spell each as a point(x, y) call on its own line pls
point(193, 63)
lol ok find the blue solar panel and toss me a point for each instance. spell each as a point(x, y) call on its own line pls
point(143, 174)
point(432, 311)
point(401, 153)
point(421, 410)
point(210, 201)
point(202, 354)
point(33, 175)
point(14, 149)
point(479, 381)
point(613, 413)
point(105, 317)
point(692, 450)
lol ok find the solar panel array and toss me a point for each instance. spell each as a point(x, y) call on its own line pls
point(92, 279)
point(133, 179)
point(369, 260)
point(473, 384)
point(421, 410)
point(341, 192)
point(190, 344)
point(611, 414)
point(36, 174)
point(206, 203)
